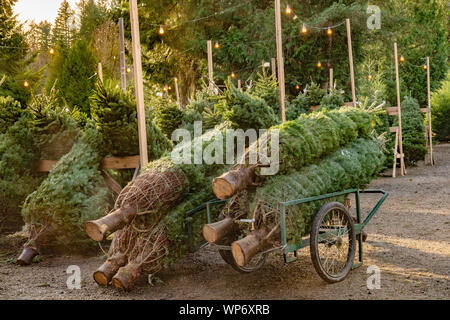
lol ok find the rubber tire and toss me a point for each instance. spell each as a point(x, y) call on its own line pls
point(314, 245)
point(227, 256)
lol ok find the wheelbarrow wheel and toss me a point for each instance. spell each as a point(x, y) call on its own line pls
point(254, 264)
point(333, 242)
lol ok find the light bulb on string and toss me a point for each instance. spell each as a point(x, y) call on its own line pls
point(217, 45)
point(297, 87)
point(26, 84)
point(128, 69)
point(319, 64)
point(369, 77)
point(288, 9)
point(51, 51)
point(425, 67)
point(402, 59)
point(175, 79)
point(329, 31)
point(233, 75)
point(304, 29)
point(161, 30)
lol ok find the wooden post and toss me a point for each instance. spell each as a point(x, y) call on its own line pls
point(177, 91)
point(429, 128)
point(350, 58)
point(239, 84)
point(123, 67)
point(138, 82)
point(100, 72)
point(280, 62)
point(331, 79)
point(273, 64)
point(210, 65)
point(400, 138)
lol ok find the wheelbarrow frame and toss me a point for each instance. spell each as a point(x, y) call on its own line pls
point(287, 248)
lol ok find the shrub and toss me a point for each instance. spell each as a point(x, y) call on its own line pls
point(266, 88)
point(114, 113)
point(10, 112)
point(298, 106)
point(169, 117)
point(244, 110)
point(332, 100)
point(314, 93)
point(413, 131)
point(440, 107)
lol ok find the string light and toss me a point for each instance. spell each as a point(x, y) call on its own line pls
point(297, 87)
point(288, 9)
point(161, 30)
point(128, 69)
point(402, 59)
point(175, 79)
point(425, 67)
point(233, 75)
point(319, 64)
point(369, 77)
point(26, 84)
point(304, 29)
point(216, 45)
point(51, 51)
point(329, 31)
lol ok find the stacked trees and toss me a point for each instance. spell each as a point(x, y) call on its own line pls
point(349, 167)
point(302, 142)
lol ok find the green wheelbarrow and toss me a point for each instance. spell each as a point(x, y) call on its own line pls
point(334, 238)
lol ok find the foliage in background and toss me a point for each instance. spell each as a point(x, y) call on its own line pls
point(314, 93)
point(440, 111)
point(10, 111)
point(297, 106)
point(168, 116)
point(244, 110)
point(77, 77)
point(115, 116)
point(266, 87)
point(332, 100)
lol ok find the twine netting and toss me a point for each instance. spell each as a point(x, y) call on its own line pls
point(152, 189)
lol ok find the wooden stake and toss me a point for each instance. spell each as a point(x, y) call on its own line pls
point(239, 84)
point(177, 92)
point(400, 138)
point(350, 58)
point(429, 128)
point(210, 66)
point(100, 72)
point(280, 62)
point(139, 83)
point(123, 67)
point(331, 79)
point(274, 66)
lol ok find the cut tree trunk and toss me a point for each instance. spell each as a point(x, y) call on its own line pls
point(216, 231)
point(245, 249)
point(127, 276)
point(231, 182)
point(96, 229)
point(27, 255)
point(107, 270)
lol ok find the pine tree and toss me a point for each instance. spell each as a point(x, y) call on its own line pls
point(76, 81)
point(62, 33)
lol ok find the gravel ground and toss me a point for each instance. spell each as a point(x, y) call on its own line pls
point(409, 241)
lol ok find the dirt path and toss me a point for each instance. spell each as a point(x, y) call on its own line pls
point(409, 240)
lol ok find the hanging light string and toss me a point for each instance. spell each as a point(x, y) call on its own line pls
point(175, 25)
